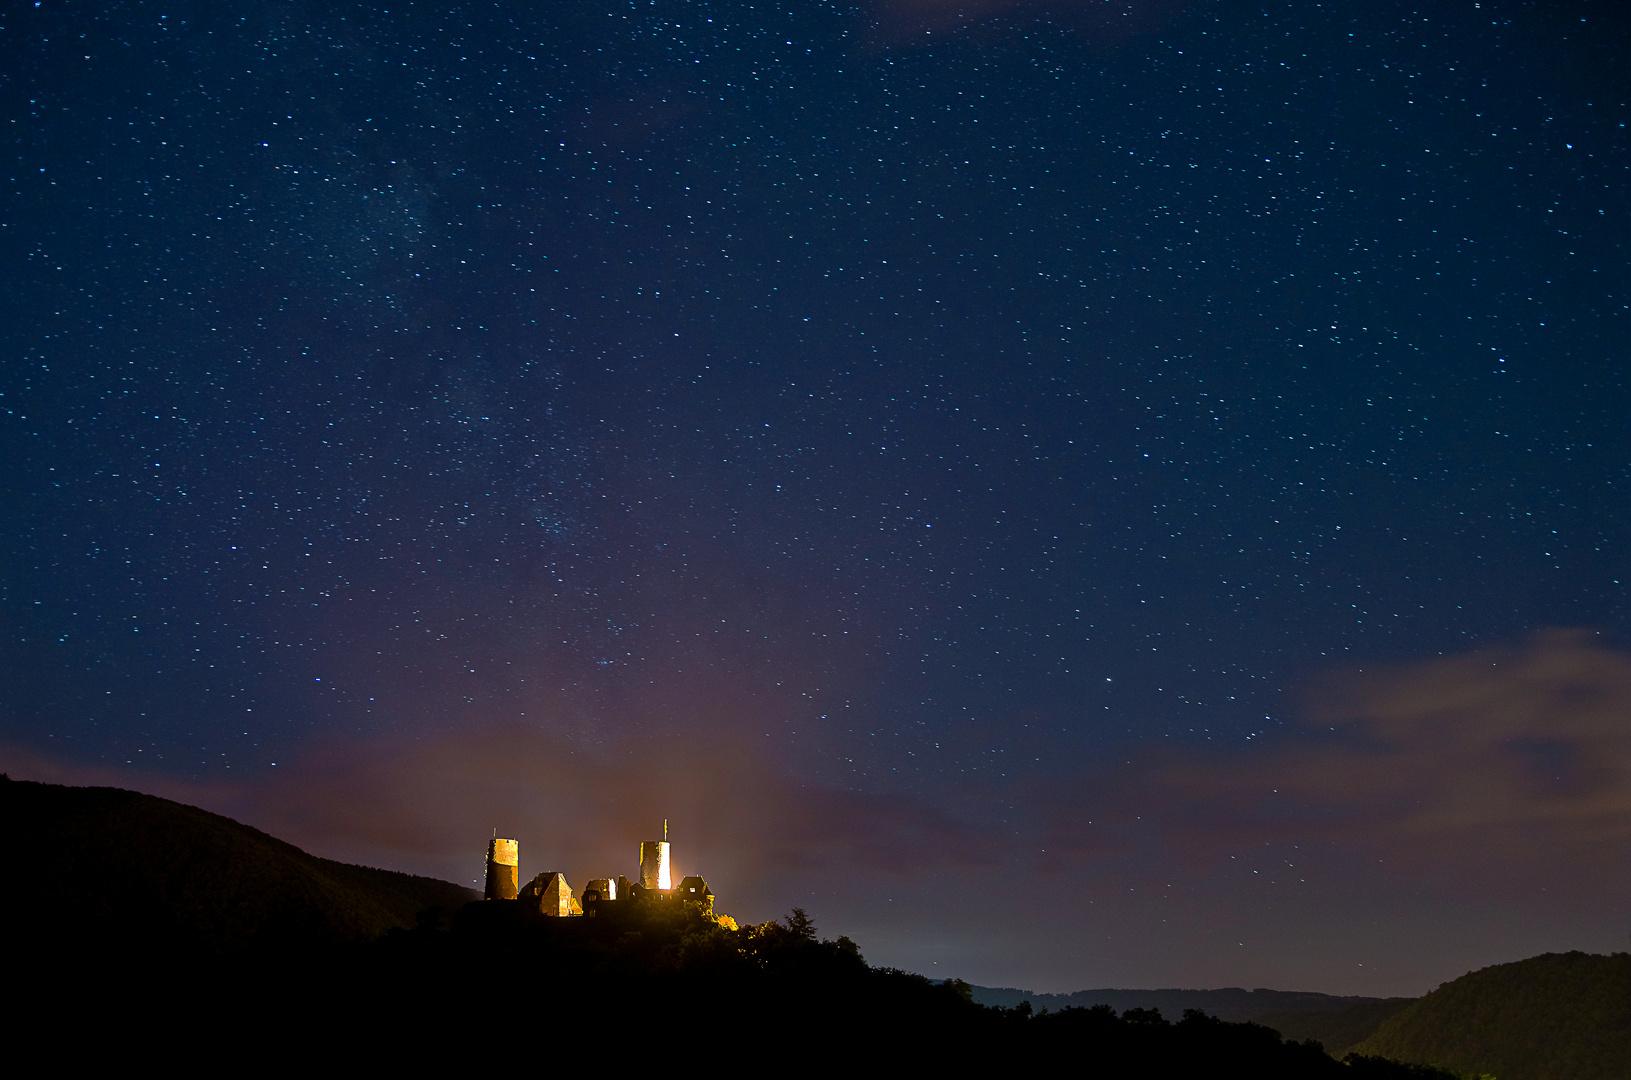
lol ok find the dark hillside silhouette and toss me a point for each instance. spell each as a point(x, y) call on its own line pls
point(102, 868)
point(1339, 1030)
point(142, 929)
point(1561, 1016)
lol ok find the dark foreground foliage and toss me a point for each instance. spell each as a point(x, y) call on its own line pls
point(1339, 1029)
point(138, 930)
point(489, 987)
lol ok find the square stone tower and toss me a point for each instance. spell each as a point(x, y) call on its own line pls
point(654, 869)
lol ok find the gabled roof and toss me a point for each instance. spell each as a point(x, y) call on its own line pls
point(694, 884)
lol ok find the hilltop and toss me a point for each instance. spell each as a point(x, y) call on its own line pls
point(107, 869)
point(1561, 1016)
point(141, 927)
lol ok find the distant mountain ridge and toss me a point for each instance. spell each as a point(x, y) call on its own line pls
point(1231, 1003)
point(108, 868)
point(1560, 1016)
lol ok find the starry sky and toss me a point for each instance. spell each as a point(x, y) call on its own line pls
point(1099, 492)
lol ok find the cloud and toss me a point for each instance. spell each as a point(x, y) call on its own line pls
point(1476, 779)
point(1503, 756)
point(1514, 753)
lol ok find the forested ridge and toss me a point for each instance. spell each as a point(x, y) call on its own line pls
point(122, 869)
point(141, 927)
point(1560, 1016)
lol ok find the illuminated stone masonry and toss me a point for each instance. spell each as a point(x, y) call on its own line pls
point(503, 866)
point(549, 894)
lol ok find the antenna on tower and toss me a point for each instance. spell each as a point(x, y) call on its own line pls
point(665, 828)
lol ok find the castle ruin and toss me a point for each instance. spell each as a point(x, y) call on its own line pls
point(549, 894)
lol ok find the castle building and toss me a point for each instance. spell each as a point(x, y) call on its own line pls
point(607, 888)
point(695, 890)
point(549, 894)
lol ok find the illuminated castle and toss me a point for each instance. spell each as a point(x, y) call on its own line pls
point(549, 894)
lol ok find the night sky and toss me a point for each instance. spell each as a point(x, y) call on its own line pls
point(1071, 494)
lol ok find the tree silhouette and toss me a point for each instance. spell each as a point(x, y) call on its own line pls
point(800, 927)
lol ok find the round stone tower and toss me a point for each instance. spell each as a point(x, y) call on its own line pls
point(504, 870)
